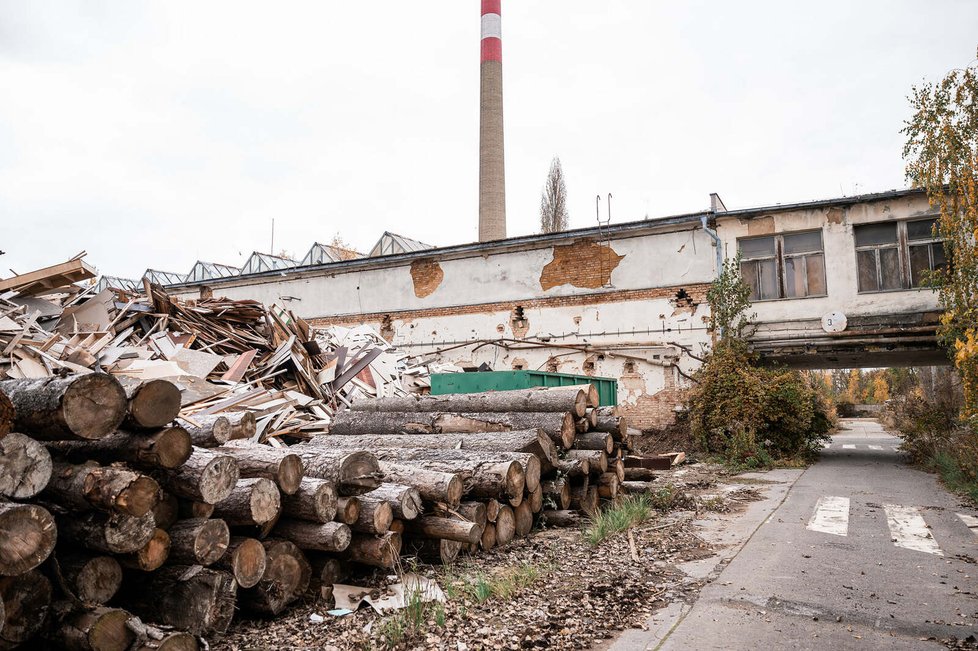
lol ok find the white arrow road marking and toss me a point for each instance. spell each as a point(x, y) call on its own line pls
point(970, 521)
point(831, 516)
point(848, 447)
point(908, 529)
point(876, 447)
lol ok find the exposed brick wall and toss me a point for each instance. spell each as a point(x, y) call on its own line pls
point(654, 411)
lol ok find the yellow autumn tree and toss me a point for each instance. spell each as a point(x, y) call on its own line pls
point(942, 156)
point(852, 388)
point(881, 390)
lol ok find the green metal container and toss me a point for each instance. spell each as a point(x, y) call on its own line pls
point(442, 383)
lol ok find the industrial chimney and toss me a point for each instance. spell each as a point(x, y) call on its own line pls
point(492, 182)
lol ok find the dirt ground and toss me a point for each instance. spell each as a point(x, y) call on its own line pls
point(552, 590)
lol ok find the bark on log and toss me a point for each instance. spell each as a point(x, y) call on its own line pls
point(27, 537)
point(92, 579)
point(617, 466)
point(593, 499)
point(287, 576)
point(245, 560)
point(446, 528)
point(574, 468)
point(595, 441)
point(528, 462)
point(542, 399)
point(474, 512)
point(561, 518)
point(99, 629)
point(25, 467)
point(397, 526)
point(597, 460)
point(375, 517)
point(581, 425)
point(432, 485)
point(252, 502)
point(7, 415)
point(207, 431)
point(320, 537)
point(195, 599)
point(524, 519)
point(482, 476)
point(637, 486)
point(152, 555)
point(376, 551)
point(255, 460)
point(434, 550)
point(190, 509)
point(206, 476)
point(532, 441)
point(558, 426)
point(347, 510)
point(26, 599)
point(198, 541)
point(557, 491)
point(243, 425)
point(505, 525)
point(405, 501)
point(592, 419)
point(639, 474)
point(488, 540)
point(108, 533)
point(326, 571)
point(492, 509)
point(167, 510)
point(609, 421)
point(581, 498)
point(64, 408)
point(91, 486)
point(314, 501)
point(178, 641)
point(168, 448)
point(608, 486)
point(151, 403)
point(352, 472)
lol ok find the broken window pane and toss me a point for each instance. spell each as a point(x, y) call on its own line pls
point(875, 234)
point(803, 242)
point(749, 271)
point(921, 230)
point(794, 277)
point(756, 247)
point(816, 274)
point(867, 271)
point(890, 269)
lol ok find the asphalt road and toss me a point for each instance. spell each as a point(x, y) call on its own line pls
point(864, 552)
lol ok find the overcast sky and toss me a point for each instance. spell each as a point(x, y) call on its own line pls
point(153, 134)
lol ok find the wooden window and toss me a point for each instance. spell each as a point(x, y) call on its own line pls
point(789, 265)
point(925, 250)
point(897, 255)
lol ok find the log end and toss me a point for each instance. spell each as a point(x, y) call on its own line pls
point(568, 430)
point(140, 497)
point(94, 406)
point(27, 537)
point(290, 473)
point(248, 562)
point(218, 479)
point(105, 629)
point(211, 541)
point(265, 501)
point(98, 580)
point(173, 447)
point(155, 404)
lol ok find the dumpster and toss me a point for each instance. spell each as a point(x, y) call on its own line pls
point(442, 383)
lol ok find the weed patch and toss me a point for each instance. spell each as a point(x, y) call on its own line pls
point(626, 513)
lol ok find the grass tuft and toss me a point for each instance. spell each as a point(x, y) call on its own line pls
point(624, 514)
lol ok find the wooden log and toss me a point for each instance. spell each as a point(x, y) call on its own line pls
point(405, 501)
point(617, 467)
point(206, 476)
point(252, 502)
point(375, 517)
point(107, 533)
point(434, 550)
point(595, 441)
point(92, 579)
point(636, 487)
point(581, 425)
point(597, 460)
point(574, 468)
point(321, 537)
point(189, 509)
point(492, 509)
point(540, 399)
point(178, 641)
point(474, 512)
point(397, 526)
point(56, 408)
point(649, 463)
point(530, 463)
point(7, 415)
point(151, 556)
point(256, 460)
point(27, 537)
point(561, 518)
point(287, 576)
point(245, 560)
point(558, 426)
point(326, 571)
point(639, 474)
point(532, 441)
point(347, 510)
point(26, 599)
point(608, 485)
point(376, 551)
point(151, 404)
point(167, 510)
point(609, 421)
point(524, 519)
point(483, 476)
point(432, 485)
point(448, 528)
point(558, 493)
point(580, 499)
point(91, 486)
point(314, 501)
point(505, 525)
point(168, 448)
point(593, 501)
point(352, 472)
point(198, 541)
point(488, 540)
point(208, 431)
point(535, 499)
point(25, 467)
point(195, 599)
point(98, 629)
point(243, 425)
point(592, 419)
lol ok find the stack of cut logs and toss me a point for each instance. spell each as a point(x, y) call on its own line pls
point(124, 526)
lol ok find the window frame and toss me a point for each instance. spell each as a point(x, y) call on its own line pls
point(779, 258)
point(902, 246)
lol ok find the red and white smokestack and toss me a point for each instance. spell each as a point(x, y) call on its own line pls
point(492, 182)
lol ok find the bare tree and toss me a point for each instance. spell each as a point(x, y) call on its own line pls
point(553, 201)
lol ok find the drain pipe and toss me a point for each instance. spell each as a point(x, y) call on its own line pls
point(716, 243)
